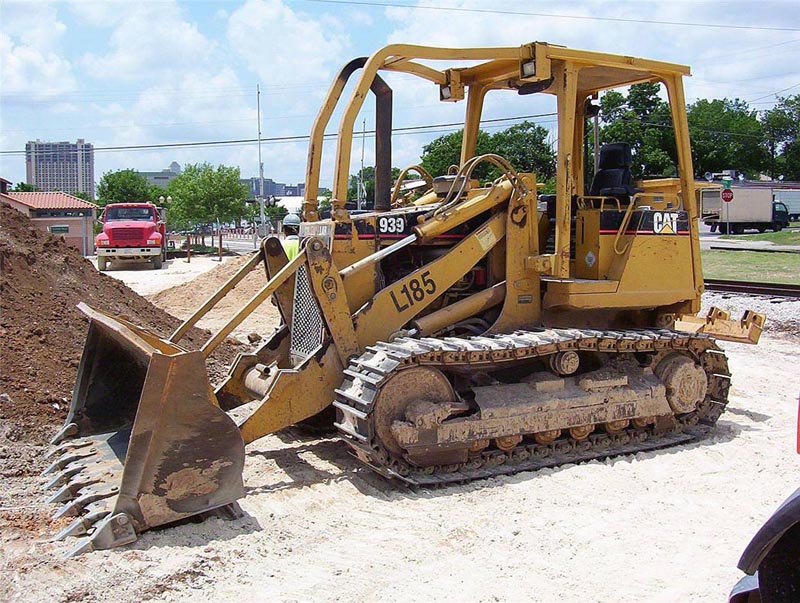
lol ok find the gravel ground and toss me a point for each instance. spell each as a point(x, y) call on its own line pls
point(656, 526)
point(783, 314)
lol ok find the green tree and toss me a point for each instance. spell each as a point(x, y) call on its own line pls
point(726, 134)
point(524, 145)
point(203, 194)
point(24, 187)
point(368, 175)
point(276, 212)
point(643, 120)
point(325, 202)
point(82, 195)
point(125, 186)
point(782, 137)
point(369, 186)
point(439, 154)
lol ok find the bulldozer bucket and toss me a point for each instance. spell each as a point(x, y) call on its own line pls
point(145, 442)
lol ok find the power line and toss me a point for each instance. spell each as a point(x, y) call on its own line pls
point(133, 125)
point(727, 55)
point(774, 93)
point(275, 139)
point(550, 15)
point(408, 130)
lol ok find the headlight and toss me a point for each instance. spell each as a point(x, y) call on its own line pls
point(103, 242)
point(152, 241)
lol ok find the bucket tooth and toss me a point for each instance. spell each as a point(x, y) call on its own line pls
point(62, 478)
point(67, 431)
point(82, 476)
point(84, 546)
point(109, 532)
point(63, 494)
point(86, 496)
point(67, 458)
point(84, 524)
point(66, 447)
point(80, 526)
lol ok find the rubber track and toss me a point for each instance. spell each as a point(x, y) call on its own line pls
point(366, 374)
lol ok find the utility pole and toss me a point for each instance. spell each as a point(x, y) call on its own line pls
point(362, 191)
point(596, 131)
point(262, 216)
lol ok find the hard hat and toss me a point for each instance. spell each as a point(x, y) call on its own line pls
point(291, 220)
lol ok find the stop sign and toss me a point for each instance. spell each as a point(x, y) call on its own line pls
point(727, 195)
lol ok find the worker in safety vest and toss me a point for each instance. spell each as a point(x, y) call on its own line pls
point(291, 238)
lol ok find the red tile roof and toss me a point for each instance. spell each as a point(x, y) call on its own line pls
point(54, 200)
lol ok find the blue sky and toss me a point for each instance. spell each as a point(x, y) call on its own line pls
point(142, 73)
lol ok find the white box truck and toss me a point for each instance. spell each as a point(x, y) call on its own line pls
point(750, 209)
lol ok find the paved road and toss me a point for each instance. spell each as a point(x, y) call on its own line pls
point(239, 245)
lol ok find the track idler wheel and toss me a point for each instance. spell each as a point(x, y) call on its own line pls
point(685, 380)
point(564, 363)
point(507, 443)
point(581, 433)
point(547, 437)
point(478, 445)
point(399, 400)
point(615, 426)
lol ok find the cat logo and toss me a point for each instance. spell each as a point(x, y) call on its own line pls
point(665, 222)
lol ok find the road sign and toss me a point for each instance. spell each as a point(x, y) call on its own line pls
point(727, 195)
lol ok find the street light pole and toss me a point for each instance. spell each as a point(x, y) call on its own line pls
point(262, 216)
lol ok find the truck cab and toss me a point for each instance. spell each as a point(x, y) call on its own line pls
point(132, 232)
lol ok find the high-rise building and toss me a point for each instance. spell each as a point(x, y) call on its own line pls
point(165, 176)
point(61, 166)
point(279, 189)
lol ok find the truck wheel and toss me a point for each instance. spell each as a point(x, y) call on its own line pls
point(762, 229)
point(157, 263)
point(723, 229)
point(777, 226)
point(737, 229)
point(102, 263)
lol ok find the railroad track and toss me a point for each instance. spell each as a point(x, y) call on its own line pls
point(752, 288)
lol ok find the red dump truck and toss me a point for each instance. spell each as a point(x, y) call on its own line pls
point(132, 232)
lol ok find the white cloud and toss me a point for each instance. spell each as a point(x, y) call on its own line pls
point(721, 58)
point(30, 52)
point(284, 46)
point(100, 14)
point(150, 41)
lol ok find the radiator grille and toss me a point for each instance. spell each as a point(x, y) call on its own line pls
point(129, 234)
point(307, 324)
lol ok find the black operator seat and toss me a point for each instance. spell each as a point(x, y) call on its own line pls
point(613, 177)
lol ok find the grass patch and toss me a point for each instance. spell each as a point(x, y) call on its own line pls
point(752, 266)
point(784, 237)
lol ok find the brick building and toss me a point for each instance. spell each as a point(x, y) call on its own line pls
point(59, 214)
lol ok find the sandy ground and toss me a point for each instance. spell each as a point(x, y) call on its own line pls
point(658, 526)
point(143, 279)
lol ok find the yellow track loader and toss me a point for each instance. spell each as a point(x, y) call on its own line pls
point(461, 330)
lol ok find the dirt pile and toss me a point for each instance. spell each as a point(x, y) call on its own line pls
point(184, 299)
point(41, 282)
